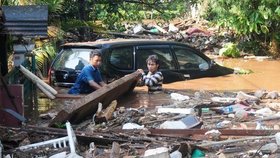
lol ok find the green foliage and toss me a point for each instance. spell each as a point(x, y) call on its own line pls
point(112, 13)
point(55, 6)
point(230, 50)
point(257, 19)
point(16, 2)
point(247, 16)
point(74, 23)
point(44, 54)
point(252, 47)
point(60, 125)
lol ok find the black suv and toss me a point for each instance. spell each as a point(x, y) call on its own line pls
point(120, 57)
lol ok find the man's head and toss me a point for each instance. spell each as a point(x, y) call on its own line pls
point(95, 58)
point(152, 63)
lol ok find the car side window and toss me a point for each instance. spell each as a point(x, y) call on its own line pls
point(165, 58)
point(122, 57)
point(188, 59)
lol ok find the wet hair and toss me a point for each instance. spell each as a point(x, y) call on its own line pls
point(95, 52)
point(153, 58)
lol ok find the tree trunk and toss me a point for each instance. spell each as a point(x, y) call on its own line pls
point(82, 16)
point(275, 47)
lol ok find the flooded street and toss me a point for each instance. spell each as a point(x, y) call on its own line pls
point(264, 76)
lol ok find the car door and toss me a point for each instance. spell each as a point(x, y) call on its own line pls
point(190, 62)
point(167, 63)
point(119, 62)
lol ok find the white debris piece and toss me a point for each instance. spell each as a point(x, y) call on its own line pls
point(277, 137)
point(161, 152)
point(7, 156)
point(275, 106)
point(172, 28)
point(179, 97)
point(224, 124)
point(173, 125)
point(213, 131)
point(272, 147)
point(59, 155)
point(62, 142)
point(176, 154)
point(243, 96)
point(223, 99)
point(132, 126)
point(176, 110)
point(260, 93)
point(1, 148)
point(265, 112)
point(272, 95)
point(138, 29)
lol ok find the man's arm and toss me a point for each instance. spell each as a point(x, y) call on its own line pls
point(94, 84)
point(102, 84)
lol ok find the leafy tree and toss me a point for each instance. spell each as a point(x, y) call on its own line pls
point(258, 20)
point(113, 12)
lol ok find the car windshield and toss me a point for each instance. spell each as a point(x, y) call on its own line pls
point(72, 59)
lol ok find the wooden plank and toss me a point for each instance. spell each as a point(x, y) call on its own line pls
point(87, 105)
point(105, 115)
point(224, 132)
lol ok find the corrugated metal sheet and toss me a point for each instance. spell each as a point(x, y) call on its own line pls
point(26, 20)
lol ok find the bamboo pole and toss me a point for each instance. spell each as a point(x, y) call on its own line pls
point(45, 91)
point(36, 79)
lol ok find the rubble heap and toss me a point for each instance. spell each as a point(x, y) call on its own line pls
point(194, 124)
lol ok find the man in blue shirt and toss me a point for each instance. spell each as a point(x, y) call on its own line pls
point(89, 79)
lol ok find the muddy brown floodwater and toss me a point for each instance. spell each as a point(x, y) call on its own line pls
point(265, 76)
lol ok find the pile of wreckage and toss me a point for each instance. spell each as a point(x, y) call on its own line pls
point(195, 33)
point(196, 124)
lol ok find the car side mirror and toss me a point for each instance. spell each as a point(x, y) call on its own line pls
point(204, 66)
point(212, 63)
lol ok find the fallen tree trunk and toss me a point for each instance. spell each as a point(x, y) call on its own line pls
point(87, 106)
